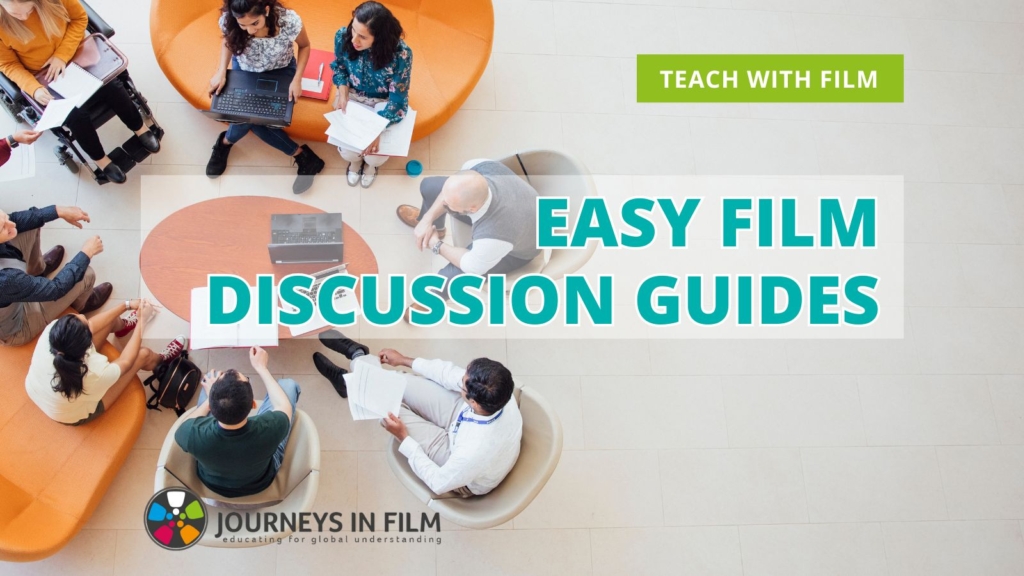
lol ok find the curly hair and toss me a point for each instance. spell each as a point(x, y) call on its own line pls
point(386, 29)
point(489, 383)
point(237, 40)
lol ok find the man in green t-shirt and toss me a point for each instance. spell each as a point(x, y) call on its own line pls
point(239, 455)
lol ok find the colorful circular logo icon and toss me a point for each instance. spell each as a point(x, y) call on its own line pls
point(175, 518)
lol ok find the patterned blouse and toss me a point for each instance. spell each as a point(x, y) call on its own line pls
point(390, 82)
point(273, 52)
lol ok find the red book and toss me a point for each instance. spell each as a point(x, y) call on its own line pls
point(318, 69)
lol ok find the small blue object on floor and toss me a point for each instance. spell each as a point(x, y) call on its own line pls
point(414, 168)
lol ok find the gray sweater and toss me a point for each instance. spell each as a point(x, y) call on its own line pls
point(512, 215)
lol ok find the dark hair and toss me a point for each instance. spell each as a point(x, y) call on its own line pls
point(489, 384)
point(230, 398)
point(386, 29)
point(70, 340)
point(237, 39)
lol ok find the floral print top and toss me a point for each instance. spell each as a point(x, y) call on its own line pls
point(390, 82)
point(272, 52)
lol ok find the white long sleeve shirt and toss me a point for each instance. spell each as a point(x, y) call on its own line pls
point(483, 448)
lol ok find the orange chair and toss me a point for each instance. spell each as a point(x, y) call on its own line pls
point(450, 41)
point(53, 476)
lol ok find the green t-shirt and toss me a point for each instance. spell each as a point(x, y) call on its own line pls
point(239, 462)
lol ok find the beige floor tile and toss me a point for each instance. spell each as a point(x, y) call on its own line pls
point(123, 505)
point(589, 357)
point(934, 276)
point(616, 30)
point(927, 410)
point(998, 10)
point(872, 484)
point(482, 97)
point(564, 395)
point(358, 558)
point(554, 552)
point(968, 340)
point(964, 46)
point(585, 84)
point(977, 155)
point(716, 487)
point(492, 134)
point(718, 357)
point(1008, 401)
point(840, 549)
point(339, 474)
point(742, 147)
point(869, 149)
point(147, 75)
point(844, 34)
point(708, 551)
point(52, 184)
point(524, 27)
point(960, 213)
point(136, 554)
point(994, 275)
point(653, 412)
point(783, 411)
point(89, 553)
point(379, 491)
point(618, 144)
point(1014, 196)
point(954, 548)
point(983, 482)
point(602, 488)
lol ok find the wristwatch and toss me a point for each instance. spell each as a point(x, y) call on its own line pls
point(12, 142)
point(437, 247)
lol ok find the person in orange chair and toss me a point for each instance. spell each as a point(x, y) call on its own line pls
point(71, 382)
point(372, 65)
point(37, 35)
point(258, 37)
point(13, 141)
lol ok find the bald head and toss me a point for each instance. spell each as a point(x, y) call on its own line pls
point(465, 192)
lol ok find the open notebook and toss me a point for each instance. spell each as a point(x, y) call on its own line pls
point(249, 332)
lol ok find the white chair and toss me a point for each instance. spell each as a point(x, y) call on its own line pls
point(293, 490)
point(538, 457)
point(551, 173)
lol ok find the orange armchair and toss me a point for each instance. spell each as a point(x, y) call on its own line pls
point(53, 476)
point(450, 40)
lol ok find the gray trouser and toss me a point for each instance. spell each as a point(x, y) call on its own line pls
point(20, 322)
point(428, 411)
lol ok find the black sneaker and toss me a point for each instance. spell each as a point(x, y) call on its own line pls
point(339, 343)
point(332, 372)
point(309, 165)
point(219, 159)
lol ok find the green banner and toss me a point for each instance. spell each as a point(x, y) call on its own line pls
point(769, 78)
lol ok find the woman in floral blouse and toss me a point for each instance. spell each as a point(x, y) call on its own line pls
point(372, 65)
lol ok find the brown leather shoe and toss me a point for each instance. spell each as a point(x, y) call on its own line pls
point(99, 297)
point(413, 306)
point(52, 260)
point(409, 216)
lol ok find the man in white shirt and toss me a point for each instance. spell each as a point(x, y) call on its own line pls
point(460, 428)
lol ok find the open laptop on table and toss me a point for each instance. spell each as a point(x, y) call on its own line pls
point(304, 238)
point(254, 98)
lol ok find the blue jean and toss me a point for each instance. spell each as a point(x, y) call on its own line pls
point(292, 390)
point(273, 136)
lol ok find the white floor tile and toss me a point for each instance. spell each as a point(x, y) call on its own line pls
point(1008, 400)
point(524, 27)
point(870, 149)
point(843, 34)
point(741, 147)
point(983, 482)
point(122, 505)
point(960, 213)
point(90, 553)
point(707, 551)
point(954, 548)
point(564, 395)
point(554, 552)
point(840, 549)
point(934, 276)
point(968, 340)
point(994, 275)
point(489, 134)
point(965, 46)
point(718, 357)
point(136, 554)
point(550, 83)
point(615, 144)
point(997, 10)
point(978, 154)
point(616, 30)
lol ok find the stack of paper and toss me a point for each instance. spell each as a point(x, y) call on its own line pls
point(394, 141)
point(249, 332)
point(357, 127)
point(373, 392)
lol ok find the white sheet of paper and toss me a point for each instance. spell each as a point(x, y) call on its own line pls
point(357, 127)
point(76, 84)
point(374, 391)
point(249, 332)
point(21, 165)
point(344, 301)
point(54, 114)
point(394, 141)
point(312, 85)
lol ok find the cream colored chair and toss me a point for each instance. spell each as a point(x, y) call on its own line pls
point(538, 457)
point(550, 173)
point(294, 488)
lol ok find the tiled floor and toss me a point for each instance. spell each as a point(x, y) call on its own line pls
point(690, 457)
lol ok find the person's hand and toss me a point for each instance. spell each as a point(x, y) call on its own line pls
point(54, 68)
point(394, 425)
point(26, 136)
point(146, 311)
point(258, 357)
point(92, 247)
point(434, 239)
point(393, 357)
point(73, 215)
point(208, 379)
point(422, 232)
point(295, 90)
point(42, 96)
point(373, 147)
point(341, 100)
point(218, 81)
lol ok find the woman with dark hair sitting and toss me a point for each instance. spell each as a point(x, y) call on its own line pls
point(372, 65)
point(73, 383)
point(260, 36)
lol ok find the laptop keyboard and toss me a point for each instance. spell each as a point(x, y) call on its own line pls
point(255, 104)
point(285, 237)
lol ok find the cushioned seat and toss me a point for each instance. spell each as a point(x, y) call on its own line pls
point(53, 476)
point(450, 40)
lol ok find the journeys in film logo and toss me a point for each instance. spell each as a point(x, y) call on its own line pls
point(175, 518)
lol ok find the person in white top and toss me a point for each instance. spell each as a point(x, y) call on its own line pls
point(70, 381)
point(460, 428)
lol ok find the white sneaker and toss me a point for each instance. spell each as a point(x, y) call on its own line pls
point(369, 175)
point(352, 175)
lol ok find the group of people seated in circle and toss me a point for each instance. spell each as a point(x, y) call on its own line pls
point(459, 427)
point(372, 65)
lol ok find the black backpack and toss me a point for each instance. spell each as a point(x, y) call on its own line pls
point(176, 382)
